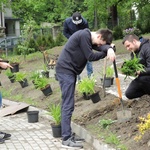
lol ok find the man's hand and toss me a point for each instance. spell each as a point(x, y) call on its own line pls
point(5, 65)
point(111, 54)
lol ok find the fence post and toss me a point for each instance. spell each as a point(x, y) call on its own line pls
point(6, 46)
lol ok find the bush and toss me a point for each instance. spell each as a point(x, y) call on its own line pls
point(60, 40)
point(50, 41)
point(133, 30)
point(117, 33)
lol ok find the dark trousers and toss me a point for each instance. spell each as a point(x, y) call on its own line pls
point(67, 85)
point(138, 87)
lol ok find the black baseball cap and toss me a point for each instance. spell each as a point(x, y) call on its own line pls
point(76, 18)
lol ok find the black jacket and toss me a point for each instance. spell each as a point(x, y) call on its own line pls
point(144, 54)
point(77, 51)
point(70, 27)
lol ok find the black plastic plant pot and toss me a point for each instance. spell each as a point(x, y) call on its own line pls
point(45, 74)
point(24, 83)
point(56, 130)
point(95, 97)
point(108, 81)
point(33, 116)
point(15, 67)
point(47, 90)
point(86, 96)
point(12, 78)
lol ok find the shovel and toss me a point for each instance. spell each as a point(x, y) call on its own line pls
point(123, 115)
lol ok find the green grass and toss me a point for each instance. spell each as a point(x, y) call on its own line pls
point(106, 135)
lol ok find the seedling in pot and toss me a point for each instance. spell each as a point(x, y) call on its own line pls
point(55, 112)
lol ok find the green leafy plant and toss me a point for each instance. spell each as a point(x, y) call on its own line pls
point(20, 76)
point(14, 60)
point(34, 75)
point(41, 83)
point(9, 73)
point(109, 72)
point(106, 122)
point(55, 112)
point(112, 139)
point(86, 86)
point(130, 67)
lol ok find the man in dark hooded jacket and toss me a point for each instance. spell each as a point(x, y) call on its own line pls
point(71, 62)
point(73, 24)
point(141, 84)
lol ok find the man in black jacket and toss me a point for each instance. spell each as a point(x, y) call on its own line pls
point(141, 84)
point(73, 24)
point(71, 62)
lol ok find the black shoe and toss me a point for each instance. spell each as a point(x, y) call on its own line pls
point(4, 135)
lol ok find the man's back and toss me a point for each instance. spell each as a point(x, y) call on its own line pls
point(73, 24)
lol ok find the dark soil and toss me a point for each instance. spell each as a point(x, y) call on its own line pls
point(86, 113)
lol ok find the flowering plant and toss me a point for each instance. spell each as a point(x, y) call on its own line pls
point(143, 127)
point(133, 30)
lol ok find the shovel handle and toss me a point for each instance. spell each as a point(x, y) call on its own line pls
point(119, 89)
point(117, 80)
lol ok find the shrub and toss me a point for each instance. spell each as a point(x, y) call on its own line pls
point(117, 33)
point(133, 30)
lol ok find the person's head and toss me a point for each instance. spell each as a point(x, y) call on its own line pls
point(102, 37)
point(76, 18)
point(131, 42)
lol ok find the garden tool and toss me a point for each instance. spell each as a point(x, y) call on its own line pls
point(123, 115)
point(104, 76)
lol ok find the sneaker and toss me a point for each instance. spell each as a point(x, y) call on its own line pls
point(71, 143)
point(2, 140)
point(4, 136)
point(77, 139)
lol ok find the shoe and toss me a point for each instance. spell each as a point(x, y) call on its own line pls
point(77, 139)
point(2, 140)
point(4, 136)
point(71, 143)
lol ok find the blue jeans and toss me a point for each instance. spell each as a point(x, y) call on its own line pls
point(89, 69)
point(67, 84)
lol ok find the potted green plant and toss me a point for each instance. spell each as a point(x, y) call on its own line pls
point(10, 75)
point(34, 75)
point(55, 112)
point(14, 62)
point(21, 78)
point(42, 84)
point(45, 72)
point(109, 76)
point(87, 87)
point(84, 87)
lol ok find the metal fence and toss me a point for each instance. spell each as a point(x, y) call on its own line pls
point(9, 43)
